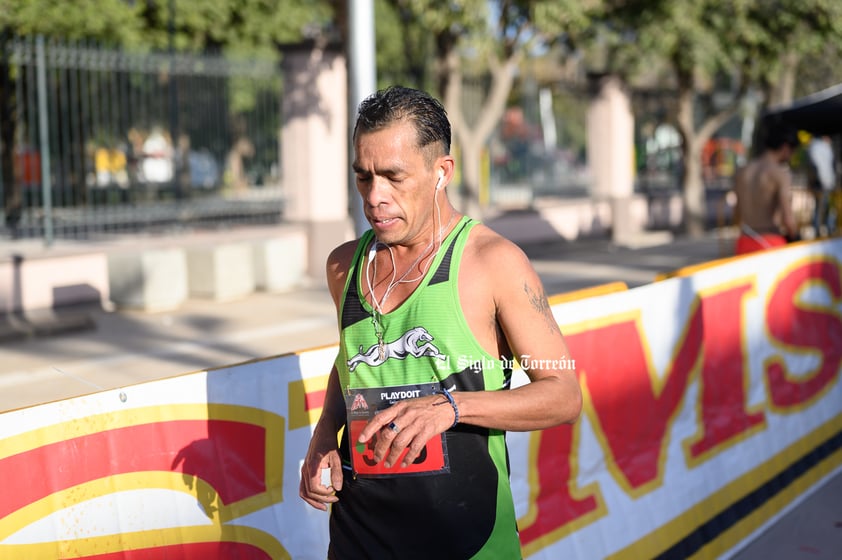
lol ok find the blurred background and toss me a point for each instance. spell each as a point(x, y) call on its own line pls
point(163, 116)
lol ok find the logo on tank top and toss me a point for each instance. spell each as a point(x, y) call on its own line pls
point(359, 403)
point(416, 342)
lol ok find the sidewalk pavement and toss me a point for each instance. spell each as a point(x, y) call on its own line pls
point(68, 352)
point(809, 528)
point(72, 352)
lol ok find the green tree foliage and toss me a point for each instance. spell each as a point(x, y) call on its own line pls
point(233, 25)
point(791, 34)
point(819, 70)
point(234, 28)
point(700, 47)
point(758, 43)
point(109, 21)
point(197, 25)
point(471, 49)
point(690, 47)
point(404, 48)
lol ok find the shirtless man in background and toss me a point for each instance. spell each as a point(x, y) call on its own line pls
point(763, 189)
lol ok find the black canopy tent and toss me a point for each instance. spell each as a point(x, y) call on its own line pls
point(818, 113)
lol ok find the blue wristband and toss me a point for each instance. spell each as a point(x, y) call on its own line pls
point(452, 402)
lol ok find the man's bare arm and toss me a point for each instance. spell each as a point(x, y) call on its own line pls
point(739, 180)
point(785, 203)
point(323, 452)
point(553, 396)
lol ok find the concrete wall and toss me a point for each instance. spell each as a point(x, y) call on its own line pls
point(223, 266)
point(161, 274)
point(44, 281)
point(610, 124)
point(314, 149)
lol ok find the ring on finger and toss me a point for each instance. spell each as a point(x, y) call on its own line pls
point(394, 427)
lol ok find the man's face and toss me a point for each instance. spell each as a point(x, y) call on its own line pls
point(396, 184)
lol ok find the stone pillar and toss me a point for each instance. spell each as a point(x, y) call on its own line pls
point(314, 148)
point(610, 126)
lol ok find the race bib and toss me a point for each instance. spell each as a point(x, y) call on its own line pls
point(364, 404)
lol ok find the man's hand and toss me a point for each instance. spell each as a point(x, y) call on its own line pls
point(312, 488)
point(407, 424)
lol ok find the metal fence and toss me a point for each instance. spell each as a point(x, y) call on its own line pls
point(97, 141)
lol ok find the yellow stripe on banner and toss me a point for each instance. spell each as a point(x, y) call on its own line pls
point(694, 268)
point(671, 533)
point(590, 490)
point(96, 423)
point(584, 293)
point(111, 544)
point(82, 493)
point(273, 424)
point(300, 415)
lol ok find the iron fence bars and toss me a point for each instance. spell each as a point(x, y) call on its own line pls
point(98, 143)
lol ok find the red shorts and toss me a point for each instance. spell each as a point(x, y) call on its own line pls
point(748, 244)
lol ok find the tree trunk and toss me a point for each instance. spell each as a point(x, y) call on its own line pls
point(694, 194)
point(786, 80)
point(695, 203)
point(471, 154)
point(692, 186)
point(472, 139)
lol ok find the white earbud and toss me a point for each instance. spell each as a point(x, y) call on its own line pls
point(441, 178)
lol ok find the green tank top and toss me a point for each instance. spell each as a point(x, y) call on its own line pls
point(427, 338)
point(458, 489)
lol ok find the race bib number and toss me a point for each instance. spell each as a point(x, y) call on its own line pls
point(362, 405)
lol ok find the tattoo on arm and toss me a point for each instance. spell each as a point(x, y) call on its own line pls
point(541, 305)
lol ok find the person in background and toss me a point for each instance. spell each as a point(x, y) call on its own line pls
point(763, 189)
point(433, 309)
point(823, 181)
